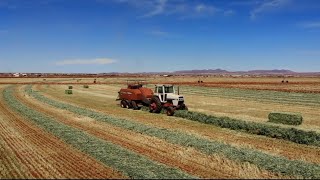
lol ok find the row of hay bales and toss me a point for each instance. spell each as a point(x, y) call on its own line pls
point(69, 90)
point(269, 130)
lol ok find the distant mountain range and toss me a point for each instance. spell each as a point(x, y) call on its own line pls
point(275, 72)
point(251, 72)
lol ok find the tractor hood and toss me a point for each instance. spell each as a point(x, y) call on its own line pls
point(175, 96)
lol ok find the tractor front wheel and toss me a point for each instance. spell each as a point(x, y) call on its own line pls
point(123, 104)
point(170, 111)
point(155, 105)
point(185, 108)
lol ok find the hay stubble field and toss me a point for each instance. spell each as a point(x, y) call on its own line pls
point(46, 133)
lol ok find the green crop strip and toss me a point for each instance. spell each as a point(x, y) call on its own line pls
point(289, 134)
point(126, 161)
point(275, 164)
point(306, 99)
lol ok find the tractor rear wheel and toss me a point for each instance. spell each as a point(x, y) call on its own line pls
point(123, 104)
point(129, 105)
point(134, 105)
point(155, 105)
point(170, 111)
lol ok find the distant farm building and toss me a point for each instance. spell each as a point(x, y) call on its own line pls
point(16, 75)
point(19, 75)
point(167, 75)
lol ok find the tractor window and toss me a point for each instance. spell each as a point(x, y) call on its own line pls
point(160, 89)
point(169, 89)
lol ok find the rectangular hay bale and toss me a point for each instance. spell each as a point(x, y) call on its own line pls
point(68, 91)
point(70, 87)
point(285, 118)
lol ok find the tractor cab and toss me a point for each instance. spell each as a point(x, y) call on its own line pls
point(168, 93)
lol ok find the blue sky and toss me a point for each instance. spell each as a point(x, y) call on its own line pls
point(94, 36)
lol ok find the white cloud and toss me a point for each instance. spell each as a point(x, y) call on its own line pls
point(228, 13)
point(244, 3)
point(315, 24)
point(159, 33)
point(181, 8)
point(199, 11)
point(267, 6)
point(158, 9)
point(18, 4)
point(202, 8)
point(309, 52)
point(163, 34)
point(100, 61)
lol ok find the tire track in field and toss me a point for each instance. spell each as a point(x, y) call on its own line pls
point(186, 159)
point(10, 167)
point(44, 155)
point(290, 150)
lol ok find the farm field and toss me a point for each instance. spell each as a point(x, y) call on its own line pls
point(46, 133)
point(295, 84)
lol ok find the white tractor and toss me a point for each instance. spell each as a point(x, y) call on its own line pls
point(165, 96)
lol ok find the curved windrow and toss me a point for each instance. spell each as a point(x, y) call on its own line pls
point(274, 164)
point(128, 162)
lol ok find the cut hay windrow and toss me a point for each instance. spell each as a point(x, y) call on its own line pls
point(128, 162)
point(305, 99)
point(290, 134)
point(285, 118)
point(276, 164)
